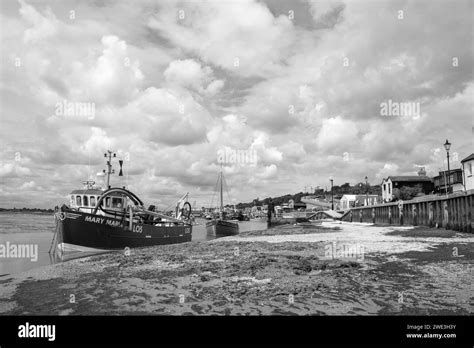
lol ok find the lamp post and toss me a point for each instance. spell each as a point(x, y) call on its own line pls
point(332, 196)
point(366, 190)
point(447, 146)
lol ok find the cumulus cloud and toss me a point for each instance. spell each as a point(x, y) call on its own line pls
point(269, 172)
point(189, 73)
point(242, 37)
point(41, 26)
point(175, 82)
point(13, 170)
point(337, 134)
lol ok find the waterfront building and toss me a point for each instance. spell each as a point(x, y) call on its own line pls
point(350, 201)
point(467, 169)
point(397, 182)
point(450, 182)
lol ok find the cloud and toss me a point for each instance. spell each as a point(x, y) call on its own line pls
point(242, 37)
point(337, 134)
point(189, 73)
point(171, 88)
point(13, 170)
point(168, 116)
point(42, 26)
point(269, 172)
point(28, 185)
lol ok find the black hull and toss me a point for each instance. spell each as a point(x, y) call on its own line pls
point(222, 228)
point(100, 232)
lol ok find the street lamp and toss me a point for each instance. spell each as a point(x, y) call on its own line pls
point(332, 196)
point(447, 146)
point(366, 191)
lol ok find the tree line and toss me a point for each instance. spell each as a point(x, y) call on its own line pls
point(337, 191)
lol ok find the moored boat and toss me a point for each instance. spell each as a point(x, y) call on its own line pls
point(221, 226)
point(116, 218)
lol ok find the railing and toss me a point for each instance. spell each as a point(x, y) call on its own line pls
point(454, 211)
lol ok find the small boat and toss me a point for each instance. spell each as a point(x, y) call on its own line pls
point(115, 218)
point(221, 226)
point(242, 217)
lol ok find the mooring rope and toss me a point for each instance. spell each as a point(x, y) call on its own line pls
point(56, 219)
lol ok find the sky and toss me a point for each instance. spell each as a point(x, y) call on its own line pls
point(305, 90)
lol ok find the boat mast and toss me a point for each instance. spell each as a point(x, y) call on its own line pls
point(109, 166)
point(221, 190)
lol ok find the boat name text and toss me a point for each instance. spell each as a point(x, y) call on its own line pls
point(99, 220)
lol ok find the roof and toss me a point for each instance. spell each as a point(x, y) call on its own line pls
point(451, 171)
point(468, 158)
point(349, 196)
point(354, 197)
point(409, 178)
point(88, 192)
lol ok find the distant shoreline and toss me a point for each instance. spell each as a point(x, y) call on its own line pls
point(27, 210)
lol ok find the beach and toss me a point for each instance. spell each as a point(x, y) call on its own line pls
point(326, 268)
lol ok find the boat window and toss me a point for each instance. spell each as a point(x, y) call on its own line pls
point(117, 202)
point(92, 201)
point(107, 201)
point(86, 201)
point(72, 199)
point(78, 201)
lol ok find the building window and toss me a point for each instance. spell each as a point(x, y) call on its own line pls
point(78, 201)
point(389, 189)
point(470, 168)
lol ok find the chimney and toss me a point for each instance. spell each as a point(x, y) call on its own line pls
point(422, 172)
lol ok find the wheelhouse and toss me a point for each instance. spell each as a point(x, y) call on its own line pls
point(85, 200)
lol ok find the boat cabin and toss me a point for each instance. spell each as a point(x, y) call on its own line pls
point(85, 200)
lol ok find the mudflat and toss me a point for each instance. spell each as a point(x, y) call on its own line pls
point(328, 268)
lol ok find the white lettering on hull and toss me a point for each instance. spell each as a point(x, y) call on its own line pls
point(99, 220)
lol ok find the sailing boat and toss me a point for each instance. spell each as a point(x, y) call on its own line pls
point(219, 225)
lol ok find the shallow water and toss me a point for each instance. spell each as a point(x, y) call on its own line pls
point(37, 230)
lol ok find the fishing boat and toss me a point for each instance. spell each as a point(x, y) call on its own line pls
point(99, 219)
point(220, 225)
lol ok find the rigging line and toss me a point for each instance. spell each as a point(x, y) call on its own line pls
point(169, 206)
point(172, 204)
point(215, 191)
point(226, 188)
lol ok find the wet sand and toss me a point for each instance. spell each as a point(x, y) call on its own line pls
point(285, 270)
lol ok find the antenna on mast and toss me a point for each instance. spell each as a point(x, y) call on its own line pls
point(221, 193)
point(109, 171)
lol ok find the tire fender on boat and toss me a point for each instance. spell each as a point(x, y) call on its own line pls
point(183, 210)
